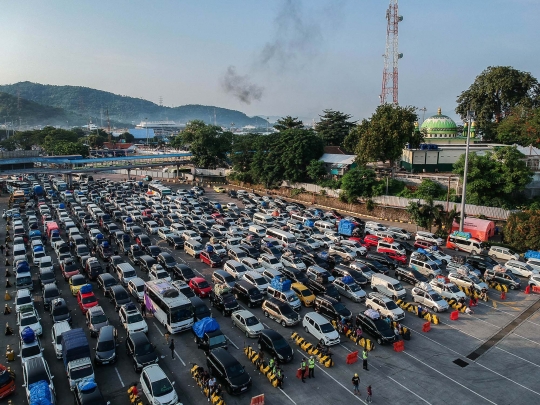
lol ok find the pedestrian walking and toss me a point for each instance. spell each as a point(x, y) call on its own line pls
point(303, 368)
point(311, 367)
point(356, 383)
point(420, 311)
point(2, 247)
point(211, 387)
point(364, 360)
point(171, 346)
point(143, 309)
point(369, 394)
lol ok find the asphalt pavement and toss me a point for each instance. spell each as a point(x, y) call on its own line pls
point(425, 373)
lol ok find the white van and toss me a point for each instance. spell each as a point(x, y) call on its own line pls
point(235, 268)
point(125, 272)
point(320, 328)
point(57, 330)
point(257, 230)
point(288, 296)
point(429, 237)
point(324, 226)
point(193, 248)
point(388, 286)
point(19, 253)
point(263, 219)
point(282, 237)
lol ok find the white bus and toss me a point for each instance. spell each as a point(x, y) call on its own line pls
point(159, 189)
point(170, 307)
point(283, 238)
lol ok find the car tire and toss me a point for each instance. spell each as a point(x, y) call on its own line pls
point(398, 277)
point(435, 309)
point(247, 334)
point(374, 289)
point(266, 314)
point(306, 329)
point(223, 313)
point(512, 287)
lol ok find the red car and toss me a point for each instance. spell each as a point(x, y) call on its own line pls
point(424, 244)
point(200, 287)
point(86, 300)
point(211, 259)
point(7, 382)
point(397, 257)
point(69, 268)
point(371, 240)
point(360, 241)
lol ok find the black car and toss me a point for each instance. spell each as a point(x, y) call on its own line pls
point(141, 350)
point(60, 311)
point(481, 263)
point(305, 249)
point(146, 262)
point(166, 260)
point(183, 272)
point(50, 293)
point(316, 261)
point(152, 250)
point(250, 251)
point(225, 302)
point(46, 277)
point(382, 259)
point(324, 288)
point(105, 281)
point(184, 289)
point(119, 296)
point(294, 275)
point(232, 194)
point(175, 241)
point(343, 271)
point(106, 346)
point(231, 374)
point(373, 265)
point(410, 275)
point(377, 328)
point(200, 309)
point(211, 341)
point(408, 247)
point(329, 307)
point(88, 396)
point(135, 252)
point(271, 250)
point(248, 293)
point(272, 342)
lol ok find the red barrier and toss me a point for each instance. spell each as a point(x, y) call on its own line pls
point(454, 315)
point(299, 372)
point(399, 346)
point(258, 400)
point(536, 289)
point(352, 357)
point(528, 289)
point(426, 327)
point(503, 295)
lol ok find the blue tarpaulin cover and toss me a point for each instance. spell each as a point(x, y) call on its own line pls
point(420, 250)
point(28, 335)
point(87, 384)
point(209, 248)
point(348, 280)
point(309, 222)
point(35, 233)
point(205, 325)
point(40, 393)
point(345, 227)
point(87, 288)
point(22, 267)
point(217, 206)
point(532, 254)
point(280, 285)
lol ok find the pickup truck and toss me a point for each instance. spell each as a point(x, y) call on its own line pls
point(222, 299)
point(76, 356)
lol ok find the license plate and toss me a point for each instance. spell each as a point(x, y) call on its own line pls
point(105, 362)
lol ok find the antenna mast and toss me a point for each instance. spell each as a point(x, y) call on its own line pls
point(391, 55)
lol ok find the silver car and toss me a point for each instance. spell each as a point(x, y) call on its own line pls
point(248, 323)
point(350, 290)
point(429, 298)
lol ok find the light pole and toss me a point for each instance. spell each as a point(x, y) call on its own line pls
point(469, 118)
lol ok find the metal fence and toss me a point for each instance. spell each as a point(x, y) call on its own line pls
point(155, 174)
point(312, 188)
point(210, 172)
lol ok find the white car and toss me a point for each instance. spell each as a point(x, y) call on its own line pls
point(447, 290)
point(385, 306)
point(498, 252)
point(333, 236)
point(520, 268)
point(324, 240)
point(131, 319)
point(152, 227)
point(136, 288)
point(163, 232)
point(429, 237)
point(312, 243)
point(354, 246)
point(399, 233)
point(232, 206)
point(257, 280)
point(157, 272)
point(467, 281)
point(374, 226)
point(294, 262)
point(23, 300)
point(157, 387)
point(426, 296)
point(440, 255)
point(350, 290)
point(270, 262)
point(29, 318)
point(189, 234)
point(252, 264)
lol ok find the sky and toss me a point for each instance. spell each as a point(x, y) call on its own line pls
point(268, 58)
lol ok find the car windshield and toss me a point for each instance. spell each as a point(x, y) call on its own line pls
point(435, 296)
point(260, 281)
point(235, 370)
point(45, 263)
point(297, 260)
point(161, 387)
point(327, 328)
point(29, 320)
point(134, 318)
point(76, 281)
point(89, 299)
point(391, 305)
point(105, 346)
point(203, 284)
point(24, 300)
point(339, 307)
point(121, 295)
point(453, 288)
point(280, 344)
point(99, 318)
point(474, 279)
point(251, 321)
point(51, 292)
point(179, 314)
point(354, 287)
point(398, 287)
point(145, 348)
point(381, 325)
point(29, 351)
point(217, 340)
point(60, 310)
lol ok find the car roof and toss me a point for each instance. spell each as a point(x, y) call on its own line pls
point(96, 309)
point(154, 372)
point(272, 334)
point(106, 276)
point(137, 281)
point(138, 337)
point(224, 357)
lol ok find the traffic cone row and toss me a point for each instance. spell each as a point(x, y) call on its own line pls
point(254, 357)
point(312, 350)
point(360, 341)
point(456, 305)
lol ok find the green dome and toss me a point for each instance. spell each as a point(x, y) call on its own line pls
point(439, 126)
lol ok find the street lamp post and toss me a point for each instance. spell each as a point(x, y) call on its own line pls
point(469, 118)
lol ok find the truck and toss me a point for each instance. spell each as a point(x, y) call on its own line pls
point(207, 334)
point(50, 227)
point(350, 228)
point(76, 356)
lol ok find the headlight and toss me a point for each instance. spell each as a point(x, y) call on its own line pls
point(280, 356)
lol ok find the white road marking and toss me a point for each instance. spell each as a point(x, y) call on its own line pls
point(198, 272)
point(175, 352)
point(265, 325)
point(284, 393)
point(412, 392)
point(508, 313)
point(325, 372)
point(450, 378)
point(515, 355)
point(226, 337)
point(120, 378)
point(346, 348)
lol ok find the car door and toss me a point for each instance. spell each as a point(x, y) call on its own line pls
point(147, 387)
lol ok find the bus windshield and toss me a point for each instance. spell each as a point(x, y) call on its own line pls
point(181, 313)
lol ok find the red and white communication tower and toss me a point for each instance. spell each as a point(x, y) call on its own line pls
point(391, 55)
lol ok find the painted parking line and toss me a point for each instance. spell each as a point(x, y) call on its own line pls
point(325, 372)
point(284, 393)
point(507, 313)
point(412, 392)
point(234, 344)
point(120, 378)
point(175, 352)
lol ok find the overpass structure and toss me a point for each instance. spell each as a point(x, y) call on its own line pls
point(69, 165)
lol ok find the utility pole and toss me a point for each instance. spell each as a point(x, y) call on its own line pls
point(469, 118)
point(391, 55)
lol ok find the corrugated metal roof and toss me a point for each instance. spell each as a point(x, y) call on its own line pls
point(338, 159)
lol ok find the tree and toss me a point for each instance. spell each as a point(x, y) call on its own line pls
point(96, 141)
point(209, 145)
point(177, 142)
point(495, 179)
point(426, 215)
point(127, 137)
point(494, 93)
point(316, 170)
point(358, 182)
point(298, 147)
point(521, 126)
point(384, 135)
point(333, 127)
point(430, 189)
point(288, 122)
point(522, 230)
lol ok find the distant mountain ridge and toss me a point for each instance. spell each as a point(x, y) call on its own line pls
point(87, 102)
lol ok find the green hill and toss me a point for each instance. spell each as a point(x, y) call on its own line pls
point(87, 102)
point(28, 112)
